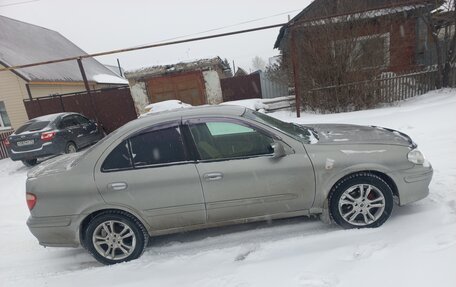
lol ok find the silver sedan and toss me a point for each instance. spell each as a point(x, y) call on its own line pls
point(213, 166)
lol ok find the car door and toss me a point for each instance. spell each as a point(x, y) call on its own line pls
point(151, 173)
point(73, 129)
point(240, 176)
point(88, 129)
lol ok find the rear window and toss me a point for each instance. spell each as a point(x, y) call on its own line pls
point(32, 126)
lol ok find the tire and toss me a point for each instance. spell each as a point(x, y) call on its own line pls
point(115, 236)
point(30, 162)
point(71, 148)
point(361, 200)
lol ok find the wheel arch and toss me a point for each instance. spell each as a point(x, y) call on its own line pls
point(380, 174)
point(86, 220)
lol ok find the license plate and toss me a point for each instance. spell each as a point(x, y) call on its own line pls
point(24, 143)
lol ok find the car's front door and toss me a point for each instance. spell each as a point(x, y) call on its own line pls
point(240, 176)
point(150, 172)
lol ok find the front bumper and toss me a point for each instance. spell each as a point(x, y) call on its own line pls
point(55, 231)
point(413, 184)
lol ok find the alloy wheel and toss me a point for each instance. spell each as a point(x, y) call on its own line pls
point(362, 204)
point(114, 240)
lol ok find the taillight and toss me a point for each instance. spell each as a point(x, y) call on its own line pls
point(31, 200)
point(47, 136)
point(6, 142)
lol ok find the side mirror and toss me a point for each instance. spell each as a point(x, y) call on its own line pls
point(279, 150)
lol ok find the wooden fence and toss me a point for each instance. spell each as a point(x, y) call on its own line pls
point(111, 107)
point(387, 88)
point(3, 136)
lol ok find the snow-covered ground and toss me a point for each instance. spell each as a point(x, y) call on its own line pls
point(416, 247)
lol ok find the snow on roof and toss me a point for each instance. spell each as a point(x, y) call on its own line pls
point(322, 11)
point(115, 70)
point(22, 43)
point(203, 64)
point(109, 79)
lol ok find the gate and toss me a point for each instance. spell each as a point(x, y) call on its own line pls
point(186, 87)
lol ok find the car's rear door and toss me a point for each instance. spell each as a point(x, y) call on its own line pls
point(72, 130)
point(89, 130)
point(151, 173)
point(241, 178)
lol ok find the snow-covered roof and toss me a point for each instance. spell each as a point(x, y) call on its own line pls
point(203, 64)
point(115, 70)
point(321, 12)
point(22, 43)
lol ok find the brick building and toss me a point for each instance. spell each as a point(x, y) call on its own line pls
point(385, 35)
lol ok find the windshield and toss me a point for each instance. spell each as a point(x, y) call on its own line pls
point(298, 132)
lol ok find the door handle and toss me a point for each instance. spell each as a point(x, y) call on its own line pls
point(117, 186)
point(213, 176)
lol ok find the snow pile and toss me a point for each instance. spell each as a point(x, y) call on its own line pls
point(164, 106)
point(415, 247)
point(253, 104)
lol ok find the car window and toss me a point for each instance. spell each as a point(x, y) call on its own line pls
point(224, 140)
point(118, 159)
point(157, 147)
point(68, 121)
point(82, 120)
point(32, 126)
point(220, 128)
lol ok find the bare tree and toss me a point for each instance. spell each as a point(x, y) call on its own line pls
point(441, 25)
point(258, 64)
point(336, 51)
point(277, 72)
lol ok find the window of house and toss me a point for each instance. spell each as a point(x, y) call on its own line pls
point(372, 51)
point(4, 119)
point(225, 140)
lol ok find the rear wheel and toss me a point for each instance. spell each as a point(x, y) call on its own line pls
point(361, 200)
point(30, 162)
point(115, 236)
point(71, 148)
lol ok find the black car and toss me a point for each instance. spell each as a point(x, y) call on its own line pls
point(52, 135)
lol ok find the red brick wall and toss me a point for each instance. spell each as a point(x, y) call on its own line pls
point(403, 45)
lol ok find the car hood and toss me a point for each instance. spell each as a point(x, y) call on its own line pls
point(353, 134)
point(53, 166)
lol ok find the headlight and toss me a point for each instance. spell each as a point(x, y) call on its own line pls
point(416, 157)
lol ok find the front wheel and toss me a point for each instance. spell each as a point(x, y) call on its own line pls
point(115, 236)
point(361, 200)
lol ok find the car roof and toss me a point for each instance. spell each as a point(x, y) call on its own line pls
point(52, 117)
point(177, 114)
point(216, 110)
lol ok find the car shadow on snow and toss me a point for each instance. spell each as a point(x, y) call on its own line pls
point(234, 235)
point(248, 234)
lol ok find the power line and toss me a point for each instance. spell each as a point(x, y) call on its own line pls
point(18, 3)
point(228, 26)
point(142, 47)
